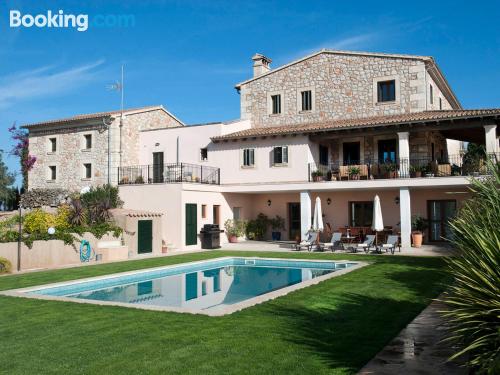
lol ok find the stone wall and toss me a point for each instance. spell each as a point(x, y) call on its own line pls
point(71, 154)
point(342, 86)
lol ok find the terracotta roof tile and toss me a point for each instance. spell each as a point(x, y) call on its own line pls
point(89, 116)
point(359, 123)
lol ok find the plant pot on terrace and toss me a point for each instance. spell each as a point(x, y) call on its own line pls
point(354, 173)
point(234, 229)
point(317, 176)
point(277, 225)
point(418, 225)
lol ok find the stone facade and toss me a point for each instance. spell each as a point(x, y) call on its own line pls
point(343, 86)
point(71, 153)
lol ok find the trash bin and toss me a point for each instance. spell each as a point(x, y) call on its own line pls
point(210, 236)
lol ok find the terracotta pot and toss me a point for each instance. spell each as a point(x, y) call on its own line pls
point(164, 249)
point(233, 239)
point(418, 174)
point(354, 177)
point(318, 178)
point(417, 238)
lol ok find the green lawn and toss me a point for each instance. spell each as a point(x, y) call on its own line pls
point(333, 327)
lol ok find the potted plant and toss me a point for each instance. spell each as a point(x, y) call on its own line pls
point(418, 225)
point(234, 229)
point(455, 170)
point(416, 170)
point(139, 180)
point(317, 176)
point(124, 180)
point(391, 169)
point(354, 173)
point(256, 229)
point(277, 224)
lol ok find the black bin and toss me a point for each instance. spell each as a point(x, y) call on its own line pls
point(210, 236)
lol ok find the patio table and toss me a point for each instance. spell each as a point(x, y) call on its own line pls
point(348, 240)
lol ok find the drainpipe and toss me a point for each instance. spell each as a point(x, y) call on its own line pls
point(177, 154)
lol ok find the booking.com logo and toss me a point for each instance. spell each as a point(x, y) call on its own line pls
point(59, 19)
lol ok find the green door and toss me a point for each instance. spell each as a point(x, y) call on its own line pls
point(191, 224)
point(144, 236)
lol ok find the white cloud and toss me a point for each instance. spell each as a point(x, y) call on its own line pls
point(43, 82)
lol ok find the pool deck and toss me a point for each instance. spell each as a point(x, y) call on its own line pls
point(418, 349)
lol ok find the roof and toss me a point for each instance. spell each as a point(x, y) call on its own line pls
point(434, 70)
point(99, 115)
point(360, 123)
point(115, 212)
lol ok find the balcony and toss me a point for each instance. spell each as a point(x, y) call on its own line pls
point(168, 174)
point(453, 165)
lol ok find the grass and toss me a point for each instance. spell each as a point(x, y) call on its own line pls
point(333, 327)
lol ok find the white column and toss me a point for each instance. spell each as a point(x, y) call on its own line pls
point(404, 154)
point(305, 213)
point(405, 216)
point(491, 140)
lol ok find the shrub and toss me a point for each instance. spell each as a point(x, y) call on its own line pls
point(99, 194)
point(256, 229)
point(474, 298)
point(235, 227)
point(9, 236)
point(61, 220)
point(277, 223)
point(5, 266)
point(78, 214)
point(38, 221)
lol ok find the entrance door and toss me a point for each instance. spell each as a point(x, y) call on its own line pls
point(387, 151)
point(293, 220)
point(144, 236)
point(351, 153)
point(191, 224)
point(440, 212)
point(158, 167)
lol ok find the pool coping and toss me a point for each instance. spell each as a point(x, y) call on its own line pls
point(226, 310)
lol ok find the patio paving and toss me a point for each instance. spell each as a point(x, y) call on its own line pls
point(286, 246)
point(418, 349)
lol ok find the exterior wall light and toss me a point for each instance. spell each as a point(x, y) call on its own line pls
point(269, 202)
point(396, 200)
point(328, 201)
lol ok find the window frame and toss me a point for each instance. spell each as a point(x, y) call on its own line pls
point(276, 104)
point(201, 154)
point(86, 137)
point(397, 97)
point(86, 176)
point(243, 157)
point(285, 154)
point(203, 211)
point(351, 218)
point(52, 173)
point(386, 91)
point(270, 96)
point(301, 90)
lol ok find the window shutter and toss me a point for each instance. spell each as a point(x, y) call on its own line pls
point(252, 156)
point(285, 155)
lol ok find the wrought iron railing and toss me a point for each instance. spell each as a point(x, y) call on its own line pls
point(168, 174)
point(452, 165)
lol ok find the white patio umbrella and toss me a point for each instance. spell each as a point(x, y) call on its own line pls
point(318, 217)
point(377, 222)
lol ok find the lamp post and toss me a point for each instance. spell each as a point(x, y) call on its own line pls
point(19, 241)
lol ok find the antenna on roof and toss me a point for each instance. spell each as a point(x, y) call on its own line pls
point(119, 86)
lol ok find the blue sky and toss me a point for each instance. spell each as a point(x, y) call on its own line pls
point(188, 55)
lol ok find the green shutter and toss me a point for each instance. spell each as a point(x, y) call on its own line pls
point(144, 236)
point(191, 224)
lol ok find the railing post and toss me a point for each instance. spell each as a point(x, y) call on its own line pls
point(218, 176)
point(182, 174)
point(309, 172)
point(201, 174)
point(118, 175)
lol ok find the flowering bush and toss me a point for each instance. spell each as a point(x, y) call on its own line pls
point(38, 221)
point(21, 150)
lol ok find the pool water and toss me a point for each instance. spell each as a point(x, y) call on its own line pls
point(200, 286)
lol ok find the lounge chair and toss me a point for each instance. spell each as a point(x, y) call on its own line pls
point(366, 244)
point(312, 237)
point(335, 242)
point(390, 244)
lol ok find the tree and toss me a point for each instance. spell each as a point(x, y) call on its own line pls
point(21, 150)
point(6, 181)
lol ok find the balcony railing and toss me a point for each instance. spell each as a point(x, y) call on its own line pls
point(453, 165)
point(168, 174)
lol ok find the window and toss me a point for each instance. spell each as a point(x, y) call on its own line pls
point(248, 157)
point(236, 213)
point(52, 144)
point(280, 155)
point(276, 104)
point(87, 170)
point(203, 211)
point(440, 103)
point(323, 155)
point(53, 172)
point(88, 141)
point(431, 94)
point(386, 91)
point(351, 152)
point(203, 154)
point(360, 214)
point(306, 100)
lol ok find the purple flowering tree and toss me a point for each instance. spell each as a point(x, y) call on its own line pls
point(21, 150)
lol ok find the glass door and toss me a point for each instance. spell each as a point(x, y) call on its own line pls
point(293, 221)
point(440, 213)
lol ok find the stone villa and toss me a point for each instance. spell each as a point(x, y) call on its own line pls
point(340, 125)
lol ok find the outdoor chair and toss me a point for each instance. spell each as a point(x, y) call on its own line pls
point(335, 242)
point(391, 243)
point(366, 244)
point(311, 240)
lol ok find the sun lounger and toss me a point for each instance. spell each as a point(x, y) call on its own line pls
point(335, 242)
point(366, 244)
point(391, 243)
point(312, 237)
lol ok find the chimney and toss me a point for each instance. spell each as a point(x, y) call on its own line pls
point(260, 64)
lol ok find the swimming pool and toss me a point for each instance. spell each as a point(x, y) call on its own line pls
point(212, 287)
